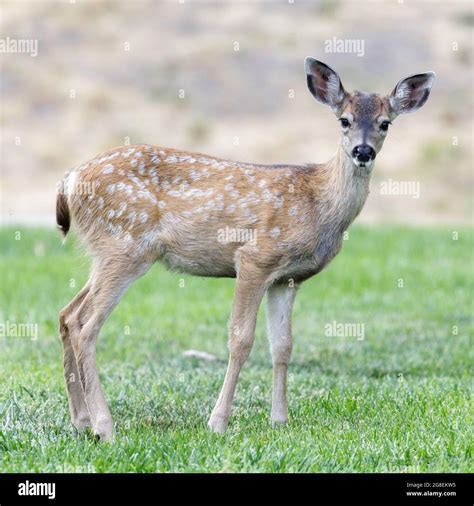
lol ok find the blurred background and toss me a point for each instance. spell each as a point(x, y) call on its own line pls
point(227, 79)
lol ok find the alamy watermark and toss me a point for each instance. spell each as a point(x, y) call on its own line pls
point(354, 46)
point(335, 329)
point(34, 488)
point(244, 235)
point(391, 187)
point(26, 46)
point(17, 329)
point(76, 187)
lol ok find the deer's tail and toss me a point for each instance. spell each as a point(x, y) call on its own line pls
point(63, 215)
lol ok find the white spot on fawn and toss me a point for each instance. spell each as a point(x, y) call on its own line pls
point(293, 210)
point(121, 209)
point(128, 152)
point(195, 176)
point(267, 195)
point(188, 159)
point(278, 203)
point(108, 169)
point(275, 232)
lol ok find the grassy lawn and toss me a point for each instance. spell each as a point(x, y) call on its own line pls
point(397, 400)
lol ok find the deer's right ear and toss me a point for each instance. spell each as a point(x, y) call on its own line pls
point(324, 84)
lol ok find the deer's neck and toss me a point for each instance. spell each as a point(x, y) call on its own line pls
point(343, 191)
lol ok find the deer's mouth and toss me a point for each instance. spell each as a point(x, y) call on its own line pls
point(363, 168)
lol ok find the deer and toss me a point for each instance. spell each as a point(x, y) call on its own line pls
point(140, 204)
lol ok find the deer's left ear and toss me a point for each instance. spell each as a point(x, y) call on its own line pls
point(411, 93)
point(324, 84)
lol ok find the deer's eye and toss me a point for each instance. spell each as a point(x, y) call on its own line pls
point(345, 123)
point(384, 125)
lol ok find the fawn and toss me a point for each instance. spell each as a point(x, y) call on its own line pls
point(135, 205)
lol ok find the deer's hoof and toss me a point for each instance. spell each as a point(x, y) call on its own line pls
point(217, 423)
point(103, 431)
point(279, 420)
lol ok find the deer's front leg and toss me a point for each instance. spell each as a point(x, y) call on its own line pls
point(280, 299)
point(249, 291)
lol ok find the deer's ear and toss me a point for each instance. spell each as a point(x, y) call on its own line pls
point(411, 93)
point(324, 84)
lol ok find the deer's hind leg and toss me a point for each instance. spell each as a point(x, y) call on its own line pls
point(110, 278)
point(77, 404)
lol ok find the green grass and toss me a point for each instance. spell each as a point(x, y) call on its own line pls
point(399, 400)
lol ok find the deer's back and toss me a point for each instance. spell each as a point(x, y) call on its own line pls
point(191, 211)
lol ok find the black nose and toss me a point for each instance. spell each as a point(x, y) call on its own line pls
point(363, 153)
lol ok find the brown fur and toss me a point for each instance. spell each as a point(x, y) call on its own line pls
point(133, 206)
